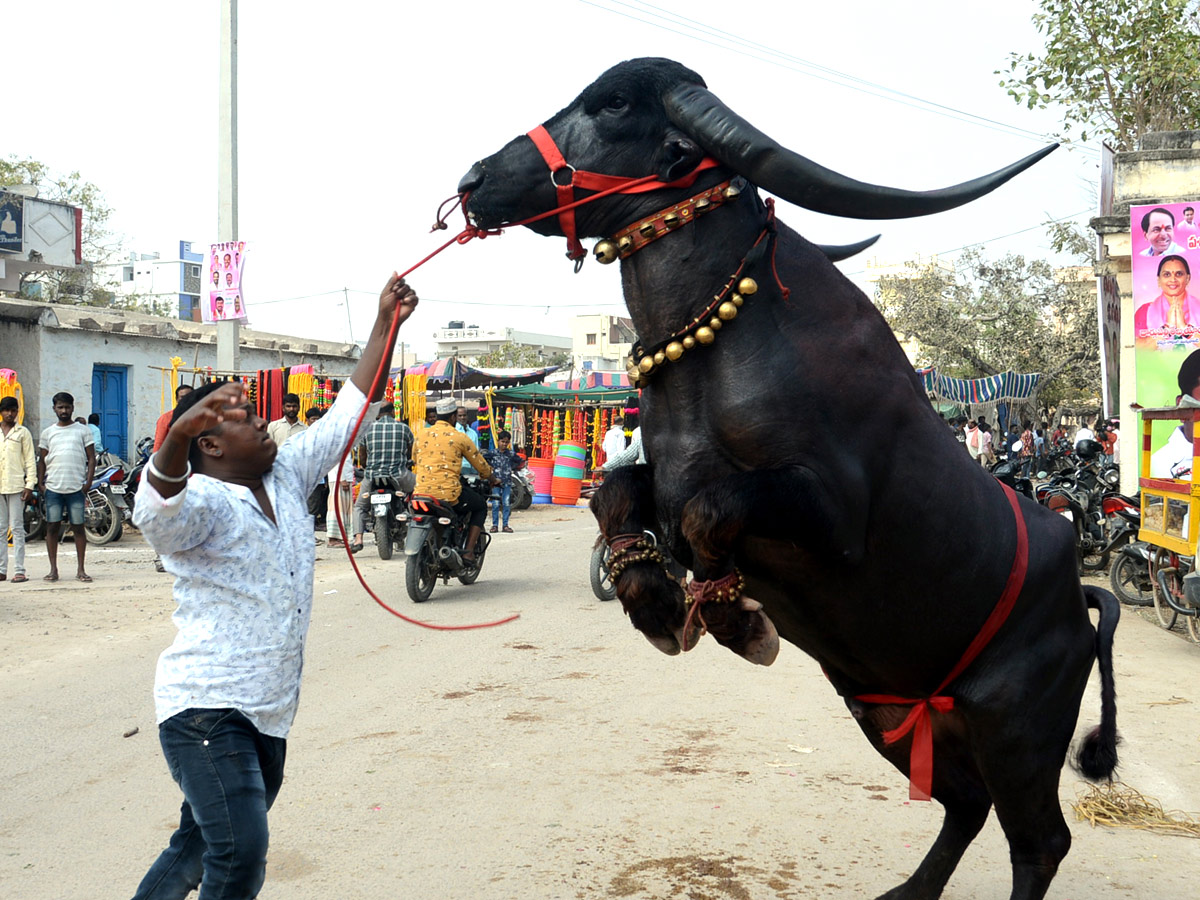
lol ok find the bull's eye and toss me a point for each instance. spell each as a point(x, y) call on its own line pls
point(616, 103)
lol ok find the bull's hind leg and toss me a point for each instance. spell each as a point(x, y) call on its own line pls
point(624, 510)
point(957, 785)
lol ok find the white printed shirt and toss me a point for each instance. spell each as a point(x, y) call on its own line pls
point(243, 584)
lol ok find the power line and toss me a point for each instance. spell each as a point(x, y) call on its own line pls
point(818, 71)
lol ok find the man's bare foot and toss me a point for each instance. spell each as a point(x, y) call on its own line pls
point(84, 577)
point(53, 576)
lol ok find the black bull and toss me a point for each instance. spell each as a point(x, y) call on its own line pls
point(798, 448)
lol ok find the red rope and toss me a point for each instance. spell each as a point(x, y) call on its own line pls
point(919, 720)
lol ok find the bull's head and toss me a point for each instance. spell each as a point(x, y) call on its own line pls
point(654, 116)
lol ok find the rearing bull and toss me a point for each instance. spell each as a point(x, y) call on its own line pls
point(797, 468)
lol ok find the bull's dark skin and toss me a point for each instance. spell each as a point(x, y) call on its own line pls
point(800, 447)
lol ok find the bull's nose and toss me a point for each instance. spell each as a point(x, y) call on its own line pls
point(472, 180)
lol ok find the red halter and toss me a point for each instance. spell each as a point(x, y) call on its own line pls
point(596, 181)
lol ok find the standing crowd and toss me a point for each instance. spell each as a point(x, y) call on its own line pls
point(1033, 446)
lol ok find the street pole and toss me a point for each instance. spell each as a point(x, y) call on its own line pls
point(228, 336)
point(346, 301)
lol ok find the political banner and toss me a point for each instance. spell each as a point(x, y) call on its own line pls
point(223, 282)
point(12, 223)
point(1165, 242)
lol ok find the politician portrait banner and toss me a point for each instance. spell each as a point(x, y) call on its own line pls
point(226, 262)
point(1165, 241)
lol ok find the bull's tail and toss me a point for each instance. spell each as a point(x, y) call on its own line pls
point(1097, 756)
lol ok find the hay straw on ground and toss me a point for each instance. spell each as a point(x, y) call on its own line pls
point(1118, 805)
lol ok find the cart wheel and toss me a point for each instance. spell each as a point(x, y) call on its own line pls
point(1163, 581)
point(1193, 625)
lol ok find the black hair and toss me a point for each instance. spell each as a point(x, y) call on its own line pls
point(1189, 373)
point(504, 436)
point(62, 397)
point(94, 418)
point(1166, 259)
point(9, 403)
point(291, 398)
point(1146, 217)
point(314, 412)
point(187, 402)
point(182, 387)
point(1188, 209)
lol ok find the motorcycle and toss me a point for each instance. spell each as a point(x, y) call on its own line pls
point(522, 488)
point(1176, 590)
point(1009, 473)
point(144, 447)
point(435, 544)
point(104, 506)
point(1130, 574)
point(35, 517)
point(388, 508)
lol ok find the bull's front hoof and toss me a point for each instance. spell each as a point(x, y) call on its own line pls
point(744, 628)
point(668, 644)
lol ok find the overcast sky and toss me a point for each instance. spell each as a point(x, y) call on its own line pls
point(358, 118)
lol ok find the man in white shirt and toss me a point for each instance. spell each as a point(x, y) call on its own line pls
point(66, 464)
point(1174, 458)
point(1158, 227)
point(289, 425)
point(1084, 433)
point(237, 537)
point(614, 439)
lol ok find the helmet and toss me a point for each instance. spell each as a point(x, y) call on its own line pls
point(1089, 449)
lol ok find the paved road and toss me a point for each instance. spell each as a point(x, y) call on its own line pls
point(559, 756)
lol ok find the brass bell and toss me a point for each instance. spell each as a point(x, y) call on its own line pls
point(625, 245)
point(737, 299)
point(659, 358)
point(689, 342)
point(672, 220)
point(646, 366)
point(715, 324)
point(674, 350)
point(648, 230)
point(703, 205)
point(605, 252)
point(731, 193)
point(727, 311)
point(705, 335)
point(747, 286)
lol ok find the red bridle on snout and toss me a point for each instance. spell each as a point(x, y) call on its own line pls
point(594, 181)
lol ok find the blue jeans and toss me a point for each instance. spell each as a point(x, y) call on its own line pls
point(71, 505)
point(230, 774)
point(501, 497)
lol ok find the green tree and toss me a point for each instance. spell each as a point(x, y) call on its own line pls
point(986, 317)
point(98, 242)
point(510, 355)
point(1117, 68)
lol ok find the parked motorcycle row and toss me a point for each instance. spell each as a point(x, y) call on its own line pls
point(1080, 487)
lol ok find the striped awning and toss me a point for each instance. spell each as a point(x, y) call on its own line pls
point(994, 388)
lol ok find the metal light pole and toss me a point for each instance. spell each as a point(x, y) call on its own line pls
point(228, 337)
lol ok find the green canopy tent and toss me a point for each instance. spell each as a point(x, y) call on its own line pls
point(545, 393)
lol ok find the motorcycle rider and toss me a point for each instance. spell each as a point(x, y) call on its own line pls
point(389, 450)
point(437, 461)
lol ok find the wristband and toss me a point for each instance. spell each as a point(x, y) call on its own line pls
point(169, 479)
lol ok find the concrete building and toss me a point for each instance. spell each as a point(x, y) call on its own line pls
point(37, 236)
point(878, 269)
point(173, 281)
point(111, 361)
point(468, 342)
point(601, 343)
point(1164, 169)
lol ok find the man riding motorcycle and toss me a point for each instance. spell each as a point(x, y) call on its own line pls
point(389, 446)
point(437, 461)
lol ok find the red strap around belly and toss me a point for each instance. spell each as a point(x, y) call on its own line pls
point(919, 721)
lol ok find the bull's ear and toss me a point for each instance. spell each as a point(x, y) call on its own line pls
point(677, 156)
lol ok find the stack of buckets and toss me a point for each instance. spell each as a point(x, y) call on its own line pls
point(542, 475)
point(568, 473)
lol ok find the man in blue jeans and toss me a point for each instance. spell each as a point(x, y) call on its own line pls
point(504, 461)
point(66, 464)
point(238, 539)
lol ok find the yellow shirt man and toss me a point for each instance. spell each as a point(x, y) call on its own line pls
point(437, 459)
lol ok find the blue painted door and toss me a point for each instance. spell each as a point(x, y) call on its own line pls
point(110, 399)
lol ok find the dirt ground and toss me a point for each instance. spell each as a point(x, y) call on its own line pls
point(558, 756)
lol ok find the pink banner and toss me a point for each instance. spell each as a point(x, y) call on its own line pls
point(224, 282)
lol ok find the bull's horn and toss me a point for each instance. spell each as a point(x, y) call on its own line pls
point(838, 252)
point(787, 174)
